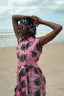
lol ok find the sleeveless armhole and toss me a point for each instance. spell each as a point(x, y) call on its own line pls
point(39, 45)
point(17, 40)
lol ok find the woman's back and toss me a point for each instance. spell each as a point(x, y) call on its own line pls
point(30, 78)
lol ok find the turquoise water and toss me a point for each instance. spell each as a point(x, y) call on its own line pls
point(9, 39)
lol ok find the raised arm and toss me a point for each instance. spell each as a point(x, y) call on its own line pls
point(15, 19)
point(48, 37)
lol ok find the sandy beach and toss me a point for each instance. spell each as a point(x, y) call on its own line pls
point(51, 62)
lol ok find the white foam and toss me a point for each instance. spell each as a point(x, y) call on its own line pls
point(9, 39)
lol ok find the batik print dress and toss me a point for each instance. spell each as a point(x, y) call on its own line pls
point(30, 78)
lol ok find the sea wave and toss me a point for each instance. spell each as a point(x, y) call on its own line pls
point(3, 34)
point(9, 39)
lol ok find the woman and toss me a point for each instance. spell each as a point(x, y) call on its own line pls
point(30, 78)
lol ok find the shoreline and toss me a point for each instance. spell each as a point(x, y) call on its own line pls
point(16, 44)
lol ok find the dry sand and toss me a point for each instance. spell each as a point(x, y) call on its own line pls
point(51, 62)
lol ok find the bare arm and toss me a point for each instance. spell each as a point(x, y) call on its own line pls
point(57, 28)
point(48, 37)
point(15, 19)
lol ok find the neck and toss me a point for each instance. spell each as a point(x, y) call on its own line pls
point(26, 36)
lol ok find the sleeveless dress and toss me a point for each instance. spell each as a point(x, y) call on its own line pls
point(30, 78)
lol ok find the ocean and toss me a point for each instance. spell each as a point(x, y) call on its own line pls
point(9, 39)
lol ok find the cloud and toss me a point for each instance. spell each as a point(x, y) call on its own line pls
point(3, 9)
point(29, 7)
point(34, 6)
point(24, 7)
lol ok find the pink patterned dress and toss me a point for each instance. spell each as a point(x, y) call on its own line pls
point(30, 78)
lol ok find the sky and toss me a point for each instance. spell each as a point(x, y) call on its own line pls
point(48, 10)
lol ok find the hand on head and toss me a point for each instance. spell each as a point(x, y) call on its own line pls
point(36, 20)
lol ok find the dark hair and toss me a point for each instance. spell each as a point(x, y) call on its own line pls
point(29, 21)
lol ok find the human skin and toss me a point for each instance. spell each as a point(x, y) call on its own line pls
point(43, 39)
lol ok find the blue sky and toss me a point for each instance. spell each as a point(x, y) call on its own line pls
point(49, 10)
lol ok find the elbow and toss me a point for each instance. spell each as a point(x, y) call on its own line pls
point(13, 16)
point(60, 27)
